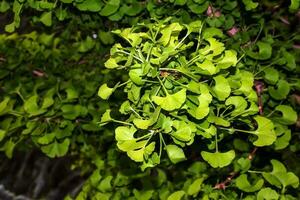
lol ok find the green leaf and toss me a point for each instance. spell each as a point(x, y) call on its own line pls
point(271, 75)
point(8, 148)
point(281, 91)
point(175, 153)
point(105, 184)
point(264, 53)
point(210, 32)
point(111, 63)
point(197, 8)
point(167, 32)
point(2, 134)
point(222, 88)
point(70, 111)
point(104, 91)
point(183, 132)
point(4, 6)
point(280, 177)
point(56, 149)
point(294, 6)
point(240, 104)
point(229, 60)
point(10, 27)
point(208, 67)
point(86, 44)
point(31, 106)
point(90, 5)
point(47, 138)
point(110, 7)
point(176, 195)
point(250, 5)
point(144, 124)
point(4, 104)
point(214, 48)
point(48, 99)
point(283, 136)
point(46, 18)
point(143, 194)
point(124, 133)
point(204, 100)
point(243, 184)
point(218, 159)
point(106, 117)
point(289, 115)
point(171, 101)
point(195, 187)
point(265, 132)
point(267, 194)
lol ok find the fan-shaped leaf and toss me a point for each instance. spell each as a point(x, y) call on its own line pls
point(218, 159)
point(171, 101)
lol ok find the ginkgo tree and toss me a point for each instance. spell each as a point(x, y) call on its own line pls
point(180, 90)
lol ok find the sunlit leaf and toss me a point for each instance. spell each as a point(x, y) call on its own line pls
point(289, 115)
point(218, 159)
point(265, 132)
point(171, 101)
point(279, 176)
point(221, 89)
point(175, 153)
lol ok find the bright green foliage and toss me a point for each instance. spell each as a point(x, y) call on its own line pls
point(279, 176)
point(243, 184)
point(265, 132)
point(171, 101)
point(267, 194)
point(187, 90)
point(218, 159)
point(175, 153)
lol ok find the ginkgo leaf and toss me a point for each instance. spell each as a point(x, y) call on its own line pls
point(280, 177)
point(106, 117)
point(104, 91)
point(283, 136)
point(145, 123)
point(250, 5)
point(243, 184)
point(246, 80)
point(214, 46)
point(110, 7)
point(171, 101)
point(204, 100)
point(281, 91)
point(265, 132)
point(289, 115)
point(56, 149)
point(218, 159)
point(240, 104)
point(90, 5)
point(183, 133)
point(229, 60)
point(222, 88)
point(173, 28)
point(195, 187)
point(175, 153)
point(207, 67)
point(123, 133)
point(267, 194)
point(264, 53)
point(111, 63)
point(176, 195)
point(271, 75)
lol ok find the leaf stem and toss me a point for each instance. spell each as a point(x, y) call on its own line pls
point(162, 85)
point(121, 122)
